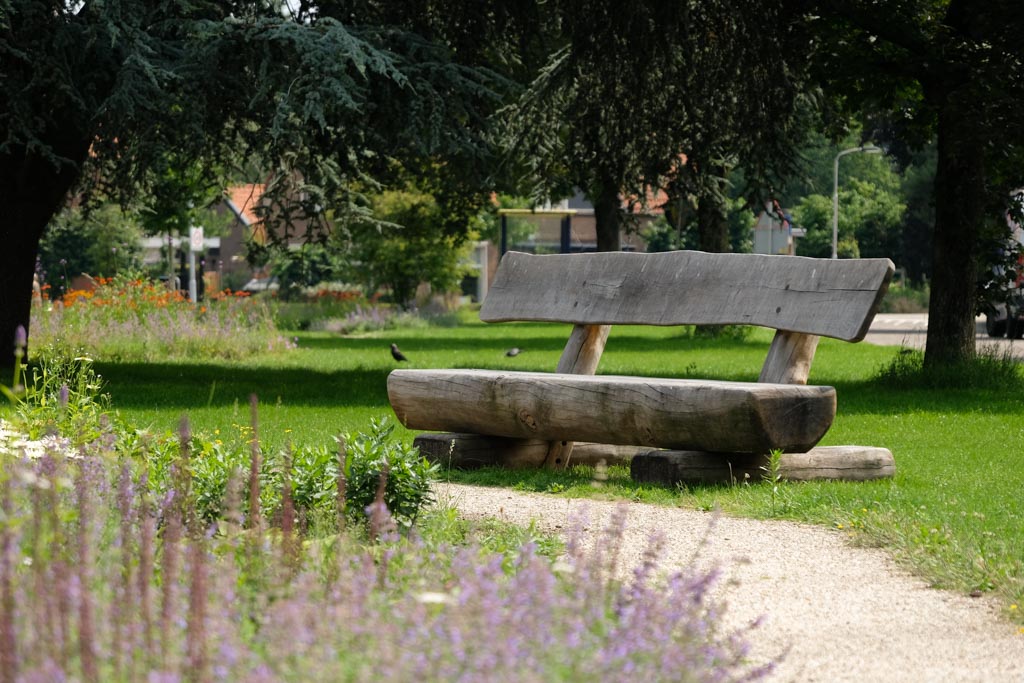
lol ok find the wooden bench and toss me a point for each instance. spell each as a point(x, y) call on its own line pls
point(533, 418)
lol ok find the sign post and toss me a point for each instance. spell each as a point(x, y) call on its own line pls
point(195, 243)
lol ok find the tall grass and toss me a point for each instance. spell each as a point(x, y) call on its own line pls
point(116, 585)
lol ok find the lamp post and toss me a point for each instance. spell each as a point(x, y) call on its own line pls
point(870, 149)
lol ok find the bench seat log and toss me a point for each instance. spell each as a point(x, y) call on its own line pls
point(737, 417)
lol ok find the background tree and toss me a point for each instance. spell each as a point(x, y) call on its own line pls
point(902, 178)
point(952, 71)
point(101, 242)
point(627, 92)
point(405, 244)
point(106, 90)
point(871, 205)
point(678, 228)
point(918, 184)
point(870, 223)
point(309, 265)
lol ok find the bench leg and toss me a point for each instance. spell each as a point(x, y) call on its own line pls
point(558, 454)
point(581, 355)
point(789, 358)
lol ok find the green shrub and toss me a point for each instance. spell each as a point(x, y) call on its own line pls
point(215, 466)
point(100, 242)
point(299, 269)
point(314, 477)
point(901, 299)
point(409, 475)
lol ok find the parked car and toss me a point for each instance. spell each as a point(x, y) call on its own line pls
point(1006, 319)
point(1007, 316)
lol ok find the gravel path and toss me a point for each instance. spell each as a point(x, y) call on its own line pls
point(846, 613)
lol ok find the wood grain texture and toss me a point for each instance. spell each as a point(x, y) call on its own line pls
point(740, 417)
point(827, 297)
point(582, 353)
point(581, 356)
point(469, 451)
point(848, 463)
point(789, 358)
point(845, 463)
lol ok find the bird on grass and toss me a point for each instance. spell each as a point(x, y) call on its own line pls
point(396, 354)
point(513, 352)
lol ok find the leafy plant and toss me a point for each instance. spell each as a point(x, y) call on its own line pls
point(62, 394)
point(368, 456)
point(312, 472)
point(214, 465)
point(101, 242)
point(14, 392)
point(773, 475)
point(404, 245)
point(314, 477)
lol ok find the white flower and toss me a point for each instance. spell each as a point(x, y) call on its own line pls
point(434, 598)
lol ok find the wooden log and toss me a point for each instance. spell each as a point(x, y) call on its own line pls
point(844, 463)
point(582, 352)
point(847, 463)
point(737, 417)
point(580, 356)
point(789, 358)
point(669, 468)
point(470, 451)
point(827, 297)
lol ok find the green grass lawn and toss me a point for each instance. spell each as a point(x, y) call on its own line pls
point(955, 510)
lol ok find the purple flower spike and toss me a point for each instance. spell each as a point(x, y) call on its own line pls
point(62, 399)
point(20, 337)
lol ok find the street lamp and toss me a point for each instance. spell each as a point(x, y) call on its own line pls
point(870, 149)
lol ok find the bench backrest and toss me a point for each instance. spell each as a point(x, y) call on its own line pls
point(824, 297)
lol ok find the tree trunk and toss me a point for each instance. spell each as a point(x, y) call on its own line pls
point(959, 214)
point(712, 225)
point(33, 190)
point(608, 217)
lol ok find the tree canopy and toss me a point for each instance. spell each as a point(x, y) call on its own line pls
point(952, 71)
point(634, 96)
point(328, 96)
point(98, 94)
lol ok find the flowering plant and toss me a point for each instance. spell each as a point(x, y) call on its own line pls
point(132, 318)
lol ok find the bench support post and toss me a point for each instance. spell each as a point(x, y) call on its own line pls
point(581, 356)
point(789, 358)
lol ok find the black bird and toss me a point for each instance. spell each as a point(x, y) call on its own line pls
point(396, 354)
point(513, 352)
